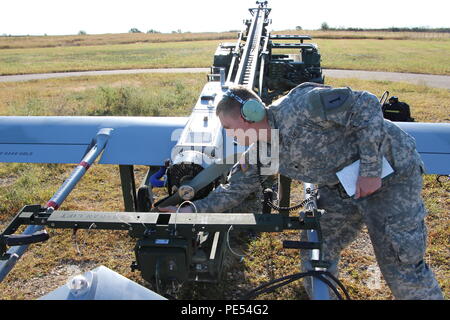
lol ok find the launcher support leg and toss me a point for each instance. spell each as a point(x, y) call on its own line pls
point(284, 192)
point(128, 187)
point(319, 288)
point(15, 252)
point(145, 193)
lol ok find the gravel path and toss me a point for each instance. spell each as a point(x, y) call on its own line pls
point(431, 80)
point(38, 76)
point(436, 81)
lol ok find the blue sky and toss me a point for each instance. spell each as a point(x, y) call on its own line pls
point(55, 17)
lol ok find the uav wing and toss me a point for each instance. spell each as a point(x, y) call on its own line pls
point(433, 144)
point(133, 141)
point(149, 140)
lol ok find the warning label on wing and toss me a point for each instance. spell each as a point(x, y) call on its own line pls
point(12, 153)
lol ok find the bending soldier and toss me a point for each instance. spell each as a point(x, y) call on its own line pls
point(322, 130)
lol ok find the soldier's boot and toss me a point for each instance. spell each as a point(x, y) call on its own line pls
point(412, 281)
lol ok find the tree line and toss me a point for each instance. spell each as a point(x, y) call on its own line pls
point(326, 27)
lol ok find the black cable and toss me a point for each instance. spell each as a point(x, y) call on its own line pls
point(330, 285)
point(277, 283)
point(290, 209)
point(267, 289)
point(254, 293)
point(272, 288)
point(294, 277)
point(339, 283)
point(270, 203)
point(298, 206)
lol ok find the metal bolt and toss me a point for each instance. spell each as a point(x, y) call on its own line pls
point(186, 192)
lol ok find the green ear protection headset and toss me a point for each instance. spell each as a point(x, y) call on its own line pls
point(252, 110)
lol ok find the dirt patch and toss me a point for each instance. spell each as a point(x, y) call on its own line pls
point(81, 88)
point(117, 84)
point(7, 181)
point(126, 83)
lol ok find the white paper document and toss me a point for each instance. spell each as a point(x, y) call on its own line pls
point(349, 175)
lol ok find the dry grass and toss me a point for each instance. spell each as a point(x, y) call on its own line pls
point(128, 51)
point(107, 39)
point(377, 35)
point(142, 94)
point(48, 265)
point(417, 56)
point(21, 42)
point(108, 57)
point(175, 94)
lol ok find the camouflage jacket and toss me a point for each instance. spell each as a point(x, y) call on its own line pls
point(322, 130)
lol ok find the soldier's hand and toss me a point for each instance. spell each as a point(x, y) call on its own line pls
point(366, 186)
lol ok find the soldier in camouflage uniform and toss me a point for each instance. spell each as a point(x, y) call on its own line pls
point(322, 130)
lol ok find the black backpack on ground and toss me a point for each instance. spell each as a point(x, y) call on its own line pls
point(396, 110)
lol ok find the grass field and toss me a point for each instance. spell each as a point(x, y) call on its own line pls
point(107, 57)
point(378, 35)
point(48, 265)
point(419, 55)
point(21, 42)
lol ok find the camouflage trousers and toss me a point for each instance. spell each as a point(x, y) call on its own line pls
point(394, 216)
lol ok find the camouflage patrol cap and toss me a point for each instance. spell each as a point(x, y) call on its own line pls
point(322, 103)
point(305, 87)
